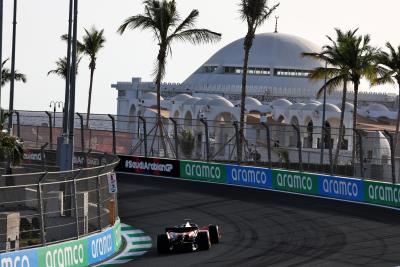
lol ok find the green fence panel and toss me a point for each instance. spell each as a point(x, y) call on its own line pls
point(201, 171)
point(382, 193)
point(73, 253)
point(299, 182)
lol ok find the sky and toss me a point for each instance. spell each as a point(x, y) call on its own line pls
point(41, 22)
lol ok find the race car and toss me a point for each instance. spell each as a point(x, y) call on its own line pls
point(188, 237)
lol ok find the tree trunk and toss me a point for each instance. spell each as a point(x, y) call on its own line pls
point(243, 102)
point(90, 97)
point(161, 65)
point(340, 137)
point(355, 103)
point(248, 42)
point(396, 137)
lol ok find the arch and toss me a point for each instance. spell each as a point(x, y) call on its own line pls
point(176, 114)
point(187, 124)
point(132, 120)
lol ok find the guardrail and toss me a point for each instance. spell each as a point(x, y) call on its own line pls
point(47, 207)
point(85, 251)
point(320, 185)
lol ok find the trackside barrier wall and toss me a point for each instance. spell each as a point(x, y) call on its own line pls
point(81, 252)
point(350, 189)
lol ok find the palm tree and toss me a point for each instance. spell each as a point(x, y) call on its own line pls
point(10, 146)
point(163, 19)
point(61, 67)
point(6, 76)
point(93, 41)
point(354, 59)
point(255, 13)
point(391, 61)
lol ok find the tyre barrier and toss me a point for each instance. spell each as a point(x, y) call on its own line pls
point(319, 185)
point(85, 251)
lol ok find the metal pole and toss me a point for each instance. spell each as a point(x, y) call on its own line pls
point(98, 185)
point(176, 137)
point(42, 230)
point(321, 162)
point(72, 91)
point(68, 77)
point(237, 139)
point(207, 139)
point(392, 155)
point(76, 205)
point(297, 129)
point(145, 134)
point(268, 144)
point(1, 45)
point(82, 137)
point(50, 130)
point(358, 134)
point(18, 123)
point(114, 148)
point(43, 156)
point(12, 81)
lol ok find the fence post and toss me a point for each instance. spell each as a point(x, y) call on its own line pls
point(82, 132)
point(359, 144)
point(297, 129)
point(328, 133)
point(113, 134)
point(43, 156)
point(237, 139)
point(392, 155)
point(18, 124)
point(207, 139)
point(76, 204)
point(39, 192)
point(145, 134)
point(268, 143)
point(51, 129)
point(176, 137)
point(98, 185)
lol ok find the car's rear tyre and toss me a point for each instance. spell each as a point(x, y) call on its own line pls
point(163, 244)
point(214, 234)
point(203, 240)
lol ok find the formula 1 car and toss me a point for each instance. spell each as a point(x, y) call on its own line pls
point(188, 237)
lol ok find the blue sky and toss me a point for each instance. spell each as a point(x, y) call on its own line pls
point(41, 22)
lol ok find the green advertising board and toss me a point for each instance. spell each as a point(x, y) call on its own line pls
point(202, 171)
point(73, 253)
point(382, 193)
point(117, 235)
point(299, 182)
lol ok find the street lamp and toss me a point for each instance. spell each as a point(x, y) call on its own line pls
point(53, 103)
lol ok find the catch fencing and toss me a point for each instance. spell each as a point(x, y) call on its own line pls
point(269, 143)
point(49, 206)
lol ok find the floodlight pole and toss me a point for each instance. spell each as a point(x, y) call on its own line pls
point(68, 77)
point(12, 81)
point(1, 45)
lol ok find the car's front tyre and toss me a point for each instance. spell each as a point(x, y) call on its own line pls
point(163, 244)
point(203, 240)
point(215, 235)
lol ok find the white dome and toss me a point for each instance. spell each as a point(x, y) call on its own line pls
point(223, 102)
point(281, 103)
point(270, 51)
point(203, 101)
point(310, 106)
point(151, 96)
point(191, 101)
point(297, 106)
point(377, 107)
point(252, 101)
point(181, 97)
point(328, 108)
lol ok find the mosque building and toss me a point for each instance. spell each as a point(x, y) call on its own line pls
point(278, 90)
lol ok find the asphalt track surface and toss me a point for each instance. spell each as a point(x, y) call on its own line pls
point(260, 228)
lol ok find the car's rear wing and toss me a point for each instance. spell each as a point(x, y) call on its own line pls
point(181, 229)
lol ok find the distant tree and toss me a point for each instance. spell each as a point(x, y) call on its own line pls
point(61, 68)
point(163, 19)
point(6, 74)
point(254, 13)
point(391, 74)
point(11, 147)
point(93, 41)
